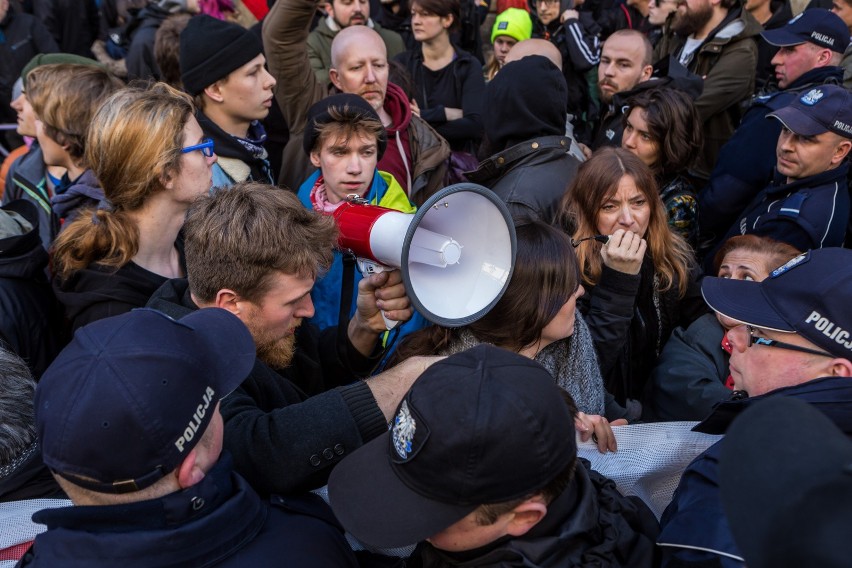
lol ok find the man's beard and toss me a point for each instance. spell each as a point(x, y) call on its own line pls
point(277, 353)
point(690, 21)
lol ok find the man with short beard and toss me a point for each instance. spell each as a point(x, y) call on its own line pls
point(256, 252)
point(715, 39)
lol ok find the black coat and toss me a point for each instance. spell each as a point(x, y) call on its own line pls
point(530, 177)
point(630, 323)
point(589, 524)
point(25, 37)
point(287, 428)
point(218, 522)
point(30, 322)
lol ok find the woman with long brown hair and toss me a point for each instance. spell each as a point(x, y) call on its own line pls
point(637, 272)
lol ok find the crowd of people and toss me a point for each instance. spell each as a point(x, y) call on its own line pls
point(192, 373)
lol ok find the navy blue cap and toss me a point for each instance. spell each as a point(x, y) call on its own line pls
point(130, 396)
point(482, 426)
point(809, 295)
point(786, 483)
point(818, 26)
point(827, 108)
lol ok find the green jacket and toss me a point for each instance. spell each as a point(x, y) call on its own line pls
point(319, 46)
point(726, 61)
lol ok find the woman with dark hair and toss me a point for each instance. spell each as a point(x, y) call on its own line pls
point(150, 156)
point(692, 373)
point(662, 127)
point(638, 274)
point(448, 81)
point(537, 317)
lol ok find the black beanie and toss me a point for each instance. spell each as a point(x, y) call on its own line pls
point(526, 99)
point(354, 104)
point(211, 48)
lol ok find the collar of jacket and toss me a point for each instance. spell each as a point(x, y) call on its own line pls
point(837, 174)
point(505, 160)
point(831, 395)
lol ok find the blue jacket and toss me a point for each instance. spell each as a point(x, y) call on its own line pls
point(809, 213)
point(695, 530)
point(219, 522)
point(747, 161)
point(385, 192)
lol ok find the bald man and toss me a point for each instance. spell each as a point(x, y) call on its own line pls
point(416, 155)
point(535, 46)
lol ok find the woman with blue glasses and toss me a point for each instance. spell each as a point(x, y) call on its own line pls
point(148, 152)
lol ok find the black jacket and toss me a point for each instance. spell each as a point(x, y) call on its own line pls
point(288, 427)
point(530, 177)
point(30, 324)
point(140, 60)
point(98, 292)
point(589, 524)
point(24, 37)
point(630, 323)
point(219, 522)
point(72, 23)
point(468, 90)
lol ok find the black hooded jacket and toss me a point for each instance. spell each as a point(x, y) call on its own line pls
point(98, 292)
point(29, 316)
point(589, 524)
point(525, 124)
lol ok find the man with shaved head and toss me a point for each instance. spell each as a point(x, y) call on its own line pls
point(341, 14)
point(535, 46)
point(416, 155)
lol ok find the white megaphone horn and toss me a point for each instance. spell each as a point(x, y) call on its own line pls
point(456, 253)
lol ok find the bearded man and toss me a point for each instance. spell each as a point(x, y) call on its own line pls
point(256, 251)
point(716, 40)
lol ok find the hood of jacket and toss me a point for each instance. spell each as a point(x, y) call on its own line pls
point(85, 190)
point(525, 100)
point(23, 256)
point(96, 284)
point(738, 24)
point(399, 109)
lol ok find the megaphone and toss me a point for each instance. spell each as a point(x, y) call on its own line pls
point(456, 253)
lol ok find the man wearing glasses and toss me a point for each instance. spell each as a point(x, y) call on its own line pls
point(795, 340)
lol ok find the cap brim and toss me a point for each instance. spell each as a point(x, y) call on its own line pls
point(781, 37)
point(743, 301)
point(797, 121)
point(768, 459)
point(377, 508)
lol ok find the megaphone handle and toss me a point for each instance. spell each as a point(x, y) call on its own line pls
point(368, 267)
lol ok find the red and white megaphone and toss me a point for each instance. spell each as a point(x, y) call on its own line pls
point(456, 253)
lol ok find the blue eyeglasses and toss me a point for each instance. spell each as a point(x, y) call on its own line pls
point(206, 148)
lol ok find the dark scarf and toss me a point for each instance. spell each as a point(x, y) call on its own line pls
point(248, 150)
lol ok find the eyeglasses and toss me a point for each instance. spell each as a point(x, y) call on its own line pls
point(756, 340)
point(659, 3)
point(206, 148)
point(600, 238)
point(549, 2)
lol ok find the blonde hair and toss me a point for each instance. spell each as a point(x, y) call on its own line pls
point(134, 143)
point(597, 180)
point(64, 96)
